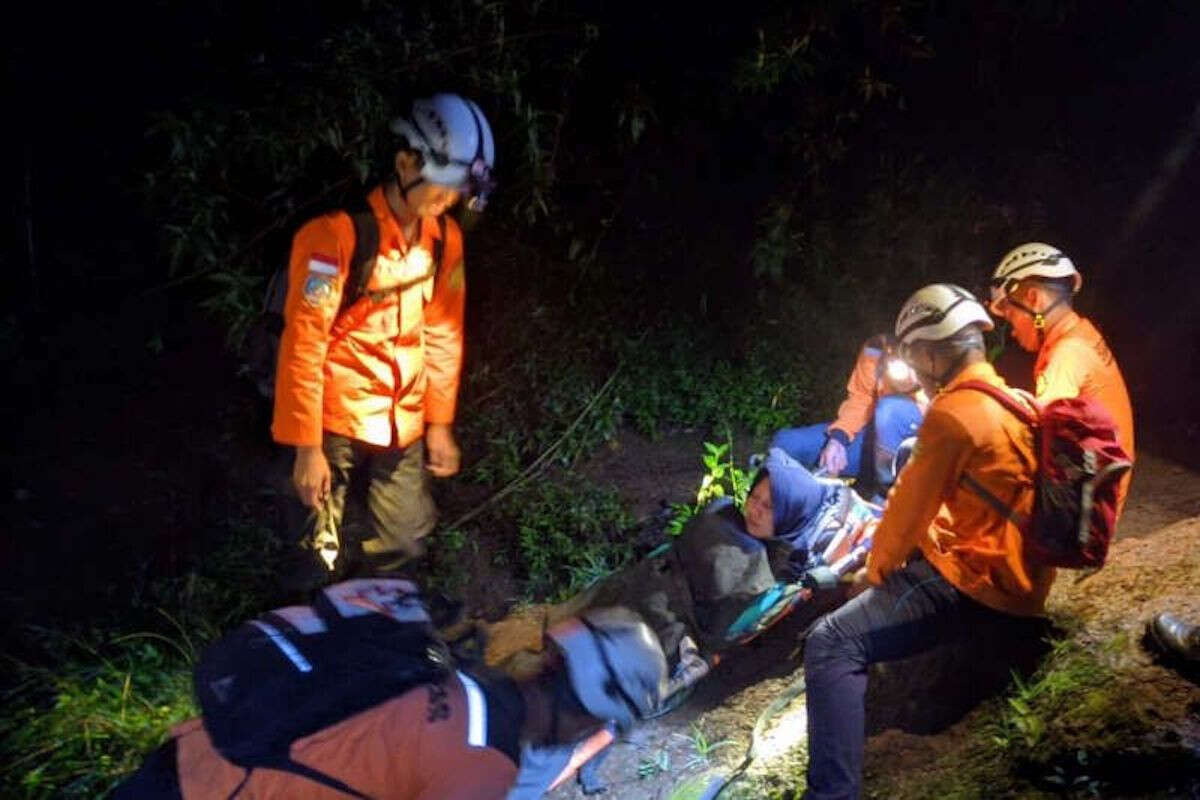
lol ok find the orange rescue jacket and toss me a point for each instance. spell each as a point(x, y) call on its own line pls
point(391, 363)
point(977, 550)
point(430, 743)
point(1074, 361)
point(868, 382)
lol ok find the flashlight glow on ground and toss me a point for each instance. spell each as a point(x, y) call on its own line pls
point(788, 731)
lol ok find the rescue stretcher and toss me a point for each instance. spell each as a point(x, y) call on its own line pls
point(844, 555)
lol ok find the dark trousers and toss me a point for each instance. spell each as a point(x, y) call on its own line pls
point(388, 489)
point(157, 779)
point(913, 611)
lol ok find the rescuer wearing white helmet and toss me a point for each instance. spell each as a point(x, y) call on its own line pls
point(939, 329)
point(1033, 289)
point(944, 564)
point(453, 147)
point(371, 353)
point(883, 407)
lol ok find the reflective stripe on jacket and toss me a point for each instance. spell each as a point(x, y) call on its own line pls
point(1075, 361)
point(977, 550)
point(391, 364)
point(430, 743)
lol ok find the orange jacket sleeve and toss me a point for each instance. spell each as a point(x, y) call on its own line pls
point(855, 411)
point(444, 331)
point(317, 270)
point(931, 475)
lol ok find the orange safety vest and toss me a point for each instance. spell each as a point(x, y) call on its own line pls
point(391, 363)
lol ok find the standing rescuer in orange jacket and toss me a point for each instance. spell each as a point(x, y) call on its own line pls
point(368, 392)
point(1032, 289)
point(944, 565)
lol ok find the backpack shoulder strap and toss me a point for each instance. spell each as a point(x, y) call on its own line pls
point(1022, 413)
point(366, 247)
point(439, 246)
point(1019, 410)
point(999, 506)
point(285, 763)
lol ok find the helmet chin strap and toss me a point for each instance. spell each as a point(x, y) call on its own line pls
point(1039, 317)
point(405, 188)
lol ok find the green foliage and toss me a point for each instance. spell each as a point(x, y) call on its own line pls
point(78, 727)
point(777, 243)
point(702, 747)
point(779, 55)
point(566, 536)
point(235, 174)
point(1061, 693)
point(654, 765)
point(722, 478)
point(554, 371)
point(683, 379)
point(84, 713)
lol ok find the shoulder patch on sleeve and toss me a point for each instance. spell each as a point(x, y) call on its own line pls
point(318, 289)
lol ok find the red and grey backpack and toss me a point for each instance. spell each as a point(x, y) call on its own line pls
point(1079, 467)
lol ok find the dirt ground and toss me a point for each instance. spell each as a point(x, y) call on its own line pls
point(1155, 565)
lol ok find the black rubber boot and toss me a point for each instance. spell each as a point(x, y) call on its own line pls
point(1175, 637)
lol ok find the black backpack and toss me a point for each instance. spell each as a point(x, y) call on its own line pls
point(262, 339)
point(297, 670)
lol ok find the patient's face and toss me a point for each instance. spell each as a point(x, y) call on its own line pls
point(760, 516)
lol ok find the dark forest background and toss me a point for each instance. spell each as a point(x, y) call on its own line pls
point(702, 214)
point(813, 162)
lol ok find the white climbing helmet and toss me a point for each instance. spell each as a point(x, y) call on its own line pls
point(456, 145)
point(938, 312)
point(1030, 260)
point(614, 662)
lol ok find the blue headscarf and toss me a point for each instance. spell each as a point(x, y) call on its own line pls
point(804, 506)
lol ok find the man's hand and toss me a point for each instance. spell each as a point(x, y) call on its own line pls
point(833, 458)
point(443, 452)
point(310, 474)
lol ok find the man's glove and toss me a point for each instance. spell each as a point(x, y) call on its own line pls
point(833, 458)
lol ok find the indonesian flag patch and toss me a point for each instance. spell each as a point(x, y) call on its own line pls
point(322, 264)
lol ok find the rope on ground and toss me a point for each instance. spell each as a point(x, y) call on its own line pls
point(540, 462)
point(773, 709)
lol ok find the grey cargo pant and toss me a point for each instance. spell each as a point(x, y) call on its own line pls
point(382, 495)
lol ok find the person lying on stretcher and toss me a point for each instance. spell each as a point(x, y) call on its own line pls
point(798, 533)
